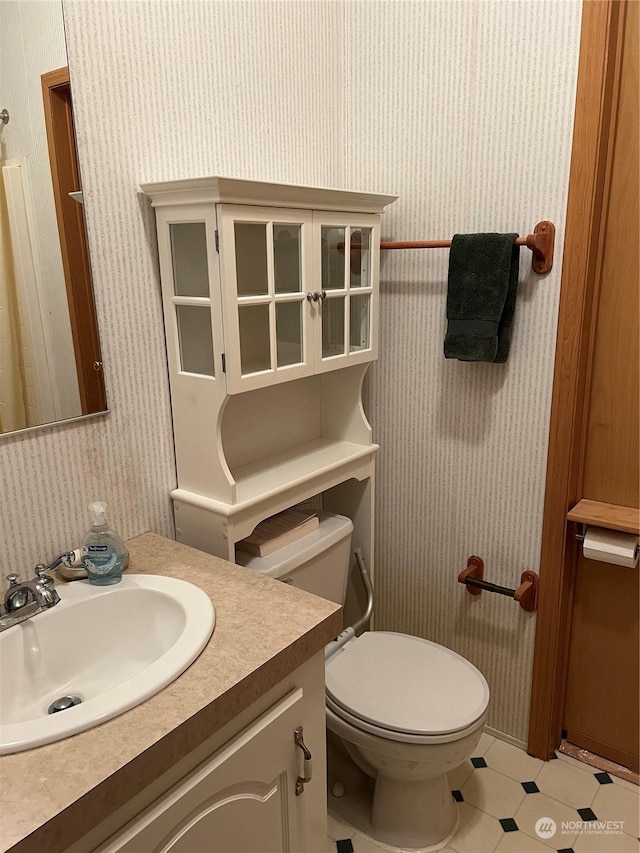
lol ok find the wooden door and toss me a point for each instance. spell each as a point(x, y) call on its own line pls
point(601, 704)
point(585, 678)
point(65, 175)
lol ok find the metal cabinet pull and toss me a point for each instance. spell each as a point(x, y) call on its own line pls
point(316, 295)
point(308, 762)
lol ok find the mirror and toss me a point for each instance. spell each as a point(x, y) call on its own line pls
point(50, 363)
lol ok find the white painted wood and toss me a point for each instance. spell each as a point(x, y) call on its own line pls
point(294, 465)
point(239, 191)
point(343, 416)
point(251, 444)
point(238, 801)
point(287, 415)
point(235, 793)
point(352, 222)
point(273, 485)
point(228, 215)
point(197, 402)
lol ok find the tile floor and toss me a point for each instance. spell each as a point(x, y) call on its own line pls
point(502, 793)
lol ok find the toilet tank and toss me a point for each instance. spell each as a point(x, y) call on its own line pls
point(318, 563)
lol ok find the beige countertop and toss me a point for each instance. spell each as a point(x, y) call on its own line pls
point(51, 796)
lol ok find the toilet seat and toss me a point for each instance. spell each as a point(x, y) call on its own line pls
point(405, 688)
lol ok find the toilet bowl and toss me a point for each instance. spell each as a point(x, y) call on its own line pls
point(407, 711)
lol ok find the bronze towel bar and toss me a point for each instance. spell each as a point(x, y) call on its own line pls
point(541, 243)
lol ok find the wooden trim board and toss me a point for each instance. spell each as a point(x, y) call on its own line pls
point(598, 71)
point(611, 516)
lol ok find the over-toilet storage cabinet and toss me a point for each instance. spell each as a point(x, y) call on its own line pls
point(270, 298)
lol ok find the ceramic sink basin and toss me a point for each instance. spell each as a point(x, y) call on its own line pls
point(112, 647)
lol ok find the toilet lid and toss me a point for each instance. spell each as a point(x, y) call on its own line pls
point(406, 684)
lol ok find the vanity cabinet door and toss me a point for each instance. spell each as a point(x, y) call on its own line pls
point(241, 800)
point(265, 262)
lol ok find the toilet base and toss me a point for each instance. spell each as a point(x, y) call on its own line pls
point(420, 817)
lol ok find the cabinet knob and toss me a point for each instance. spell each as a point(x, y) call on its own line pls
point(314, 296)
point(308, 761)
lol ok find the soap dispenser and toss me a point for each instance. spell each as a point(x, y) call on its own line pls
point(103, 552)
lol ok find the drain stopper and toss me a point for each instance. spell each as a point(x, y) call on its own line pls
point(63, 703)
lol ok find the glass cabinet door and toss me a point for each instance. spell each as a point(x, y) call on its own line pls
point(346, 255)
point(266, 263)
point(190, 298)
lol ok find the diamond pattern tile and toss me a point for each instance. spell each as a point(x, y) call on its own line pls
point(587, 814)
point(498, 815)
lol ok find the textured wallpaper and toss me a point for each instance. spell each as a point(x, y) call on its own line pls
point(465, 111)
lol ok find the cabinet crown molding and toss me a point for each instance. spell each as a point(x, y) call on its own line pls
point(241, 191)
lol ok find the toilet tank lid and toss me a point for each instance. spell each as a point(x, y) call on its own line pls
point(406, 684)
point(331, 530)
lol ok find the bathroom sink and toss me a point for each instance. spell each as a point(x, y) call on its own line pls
point(112, 647)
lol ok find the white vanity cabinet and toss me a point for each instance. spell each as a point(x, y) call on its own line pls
point(241, 790)
point(243, 799)
point(270, 297)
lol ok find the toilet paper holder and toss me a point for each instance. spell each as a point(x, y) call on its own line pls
point(526, 594)
point(581, 535)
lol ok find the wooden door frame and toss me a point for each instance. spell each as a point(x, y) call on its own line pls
point(65, 176)
point(593, 142)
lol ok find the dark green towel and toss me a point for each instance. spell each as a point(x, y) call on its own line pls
point(481, 298)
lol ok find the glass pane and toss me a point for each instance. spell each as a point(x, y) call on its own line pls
point(359, 323)
point(333, 258)
point(289, 332)
point(195, 339)
point(251, 258)
point(332, 326)
point(189, 254)
point(286, 258)
point(255, 353)
point(361, 257)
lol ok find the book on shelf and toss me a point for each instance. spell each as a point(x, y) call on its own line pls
point(277, 531)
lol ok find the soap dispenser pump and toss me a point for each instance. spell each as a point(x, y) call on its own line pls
point(103, 553)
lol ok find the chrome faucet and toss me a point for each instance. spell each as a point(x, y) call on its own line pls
point(25, 599)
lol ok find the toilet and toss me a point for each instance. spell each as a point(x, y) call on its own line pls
point(405, 710)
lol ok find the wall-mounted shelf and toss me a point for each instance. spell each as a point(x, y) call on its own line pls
point(611, 516)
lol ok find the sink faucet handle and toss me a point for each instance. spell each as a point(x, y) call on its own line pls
point(14, 580)
point(41, 569)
